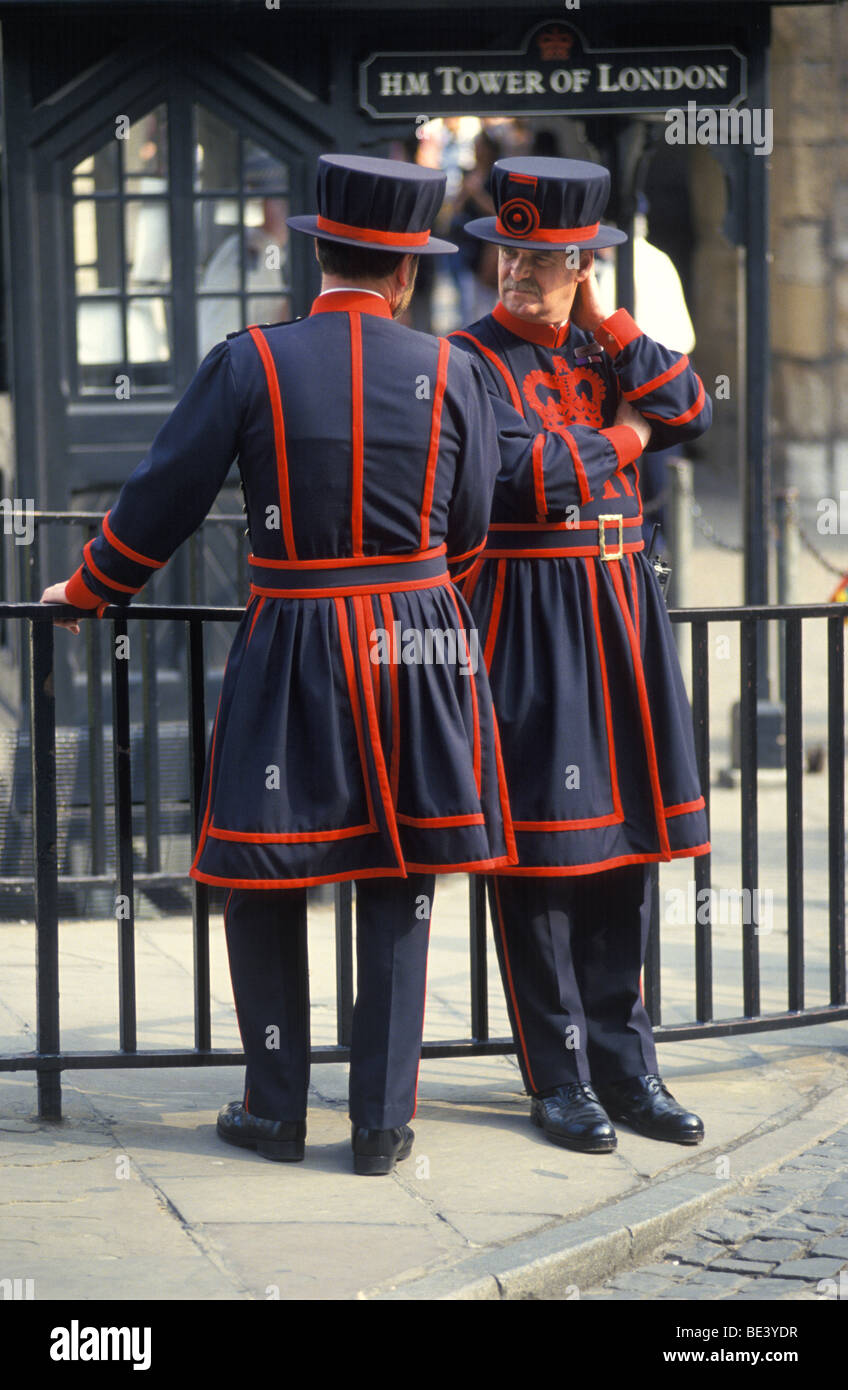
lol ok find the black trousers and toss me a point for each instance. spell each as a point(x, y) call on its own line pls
point(267, 947)
point(571, 951)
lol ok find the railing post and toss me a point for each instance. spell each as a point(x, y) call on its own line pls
point(680, 537)
point(344, 961)
point(42, 702)
point(836, 803)
point(788, 560)
point(123, 832)
point(479, 965)
point(200, 892)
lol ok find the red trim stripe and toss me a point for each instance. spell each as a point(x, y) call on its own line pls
point(556, 235)
point(495, 615)
point(374, 666)
point(353, 696)
point(201, 839)
point(657, 381)
point(645, 710)
point(503, 794)
point(468, 555)
point(557, 525)
point(436, 822)
point(472, 681)
point(104, 578)
point(685, 808)
point(687, 414)
point(344, 561)
point(579, 470)
point(360, 625)
point(356, 430)
point(289, 837)
point(634, 591)
point(259, 606)
point(539, 475)
point(479, 866)
point(348, 590)
point(279, 437)
point(496, 362)
point(126, 550)
point(561, 552)
point(565, 871)
point(471, 580)
point(410, 240)
point(588, 823)
point(435, 432)
point(613, 768)
point(394, 766)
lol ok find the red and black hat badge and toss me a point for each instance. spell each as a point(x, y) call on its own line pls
point(548, 205)
point(377, 204)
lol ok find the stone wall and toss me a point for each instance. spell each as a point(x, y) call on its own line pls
point(809, 239)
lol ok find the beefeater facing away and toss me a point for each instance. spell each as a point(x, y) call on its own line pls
point(595, 723)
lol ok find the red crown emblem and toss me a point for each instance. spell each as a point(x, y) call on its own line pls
point(555, 42)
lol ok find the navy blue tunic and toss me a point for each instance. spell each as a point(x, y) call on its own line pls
point(594, 719)
point(352, 738)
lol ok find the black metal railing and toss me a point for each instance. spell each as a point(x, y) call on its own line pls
point(125, 878)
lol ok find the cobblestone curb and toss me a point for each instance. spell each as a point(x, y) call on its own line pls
point(618, 1237)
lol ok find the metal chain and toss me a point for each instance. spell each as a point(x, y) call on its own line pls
point(708, 531)
point(807, 543)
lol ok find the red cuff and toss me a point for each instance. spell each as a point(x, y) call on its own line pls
point(626, 442)
point(617, 331)
point(78, 593)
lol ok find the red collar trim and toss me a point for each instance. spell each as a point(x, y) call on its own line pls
point(351, 301)
point(546, 334)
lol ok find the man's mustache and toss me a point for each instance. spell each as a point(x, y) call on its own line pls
point(528, 286)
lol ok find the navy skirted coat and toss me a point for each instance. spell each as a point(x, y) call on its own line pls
point(594, 719)
point(354, 735)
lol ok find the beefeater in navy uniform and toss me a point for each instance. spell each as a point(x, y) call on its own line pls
point(595, 724)
point(341, 749)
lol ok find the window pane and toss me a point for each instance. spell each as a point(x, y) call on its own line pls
point(262, 170)
point(266, 243)
point(218, 264)
point(147, 240)
point(215, 152)
point(98, 173)
point(216, 317)
point(96, 246)
point(148, 331)
point(145, 147)
point(268, 308)
point(99, 335)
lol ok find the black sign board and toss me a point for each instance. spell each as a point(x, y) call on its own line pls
point(555, 73)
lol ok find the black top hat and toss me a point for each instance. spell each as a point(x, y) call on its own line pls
point(378, 204)
point(548, 205)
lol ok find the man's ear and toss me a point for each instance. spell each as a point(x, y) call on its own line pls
point(587, 260)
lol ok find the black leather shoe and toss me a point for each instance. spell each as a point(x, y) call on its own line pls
point(646, 1104)
point(572, 1116)
point(376, 1151)
point(280, 1140)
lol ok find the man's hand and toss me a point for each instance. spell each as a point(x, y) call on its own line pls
point(626, 415)
point(55, 593)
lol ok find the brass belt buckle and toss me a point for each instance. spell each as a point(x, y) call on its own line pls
point(618, 518)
